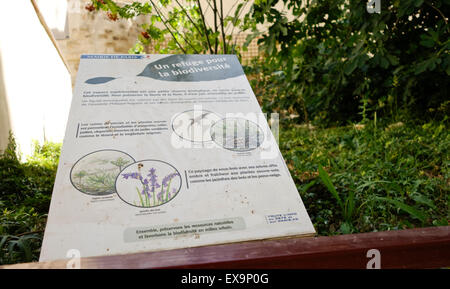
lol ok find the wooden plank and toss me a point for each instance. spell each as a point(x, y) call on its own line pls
point(413, 248)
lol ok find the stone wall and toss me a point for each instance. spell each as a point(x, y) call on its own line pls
point(91, 32)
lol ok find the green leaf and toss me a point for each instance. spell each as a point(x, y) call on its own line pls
point(345, 228)
point(422, 216)
point(441, 222)
point(350, 66)
point(418, 3)
point(327, 182)
point(429, 64)
point(306, 187)
point(25, 247)
point(419, 198)
point(384, 63)
point(112, 6)
point(140, 197)
point(349, 205)
point(297, 162)
point(3, 241)
point(394, 60)
point(427, 42)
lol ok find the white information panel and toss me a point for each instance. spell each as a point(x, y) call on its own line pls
point(165, 152)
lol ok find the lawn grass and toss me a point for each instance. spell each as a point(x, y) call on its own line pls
point(398, 175)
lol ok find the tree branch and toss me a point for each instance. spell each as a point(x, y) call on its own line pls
point(184, 38)
point(238, 16)
point(167, 27)
point(222, 28)
point(204, 25)
point(215, 23)
point(193, 23)
point(209, 6)
point(438, 11)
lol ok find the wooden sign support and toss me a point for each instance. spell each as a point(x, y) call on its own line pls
point(412, 248)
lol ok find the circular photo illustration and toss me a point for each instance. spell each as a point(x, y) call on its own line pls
point(194, 125)
point(237, 134)
point(148, 183)
point(95, 173)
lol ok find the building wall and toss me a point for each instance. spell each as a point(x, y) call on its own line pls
point(93, 32)
point(5, 121)
point(35, 86)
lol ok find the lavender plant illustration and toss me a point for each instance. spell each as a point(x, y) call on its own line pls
point(151, 191)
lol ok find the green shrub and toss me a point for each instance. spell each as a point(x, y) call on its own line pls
point(25, 193)
point(334, 62)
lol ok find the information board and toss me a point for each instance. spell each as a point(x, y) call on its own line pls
point(165, 152)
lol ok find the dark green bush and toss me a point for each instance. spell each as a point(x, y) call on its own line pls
point(335, 62)
point(25, 192)
point(28, 183)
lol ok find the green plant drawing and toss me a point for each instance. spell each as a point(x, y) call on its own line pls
point(97, 176)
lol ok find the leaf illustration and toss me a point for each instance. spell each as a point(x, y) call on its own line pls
point(99, 80)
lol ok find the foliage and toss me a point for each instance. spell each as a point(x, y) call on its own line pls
point(352, 179)
point(366, 178)
point(347, 206)
point(331, 63)
point(21, 233)
point(334, 62)
point(182, 21)
point(30, 183)
point(25, 190)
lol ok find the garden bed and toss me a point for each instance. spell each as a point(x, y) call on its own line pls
point(398, 176)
